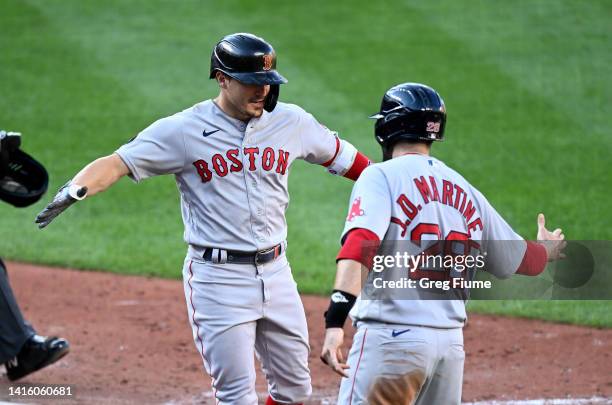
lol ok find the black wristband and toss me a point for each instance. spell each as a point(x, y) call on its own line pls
point(340, 305)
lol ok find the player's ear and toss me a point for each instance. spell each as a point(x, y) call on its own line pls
point(222, 79)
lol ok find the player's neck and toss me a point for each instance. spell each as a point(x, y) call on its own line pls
point(229, 109)
point(407, 148)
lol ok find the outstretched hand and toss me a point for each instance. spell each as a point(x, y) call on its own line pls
point(65, 197)
point(554, 241)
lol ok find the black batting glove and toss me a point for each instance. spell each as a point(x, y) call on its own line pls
point(67, 195)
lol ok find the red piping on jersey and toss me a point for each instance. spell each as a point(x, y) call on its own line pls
point(329, 162)
point(360, 245)
point(198, 329)
point(534, 260)
point(358, 166)
point(365, 332)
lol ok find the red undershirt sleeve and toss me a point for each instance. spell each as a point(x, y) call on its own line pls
point(534, 260)
point(360, 245)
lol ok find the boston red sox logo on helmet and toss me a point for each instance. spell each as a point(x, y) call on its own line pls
point(267, 59)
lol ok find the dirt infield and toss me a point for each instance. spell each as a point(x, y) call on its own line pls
point(131, 343)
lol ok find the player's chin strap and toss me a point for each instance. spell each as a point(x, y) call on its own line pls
point(340, 305)
point(272, 97)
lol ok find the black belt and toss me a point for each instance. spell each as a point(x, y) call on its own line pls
point(234, 256)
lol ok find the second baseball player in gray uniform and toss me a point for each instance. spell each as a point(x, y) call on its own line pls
point(231, 158)
point(408, 345)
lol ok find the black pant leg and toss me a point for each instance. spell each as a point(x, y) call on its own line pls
point(14, 330)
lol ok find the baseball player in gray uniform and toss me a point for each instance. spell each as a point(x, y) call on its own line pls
point(413, 347)
point(231, 158)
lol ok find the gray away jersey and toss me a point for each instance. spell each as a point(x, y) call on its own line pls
point(415, 198)
point(232, 176)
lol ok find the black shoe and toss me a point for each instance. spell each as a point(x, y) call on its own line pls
point(36, 353)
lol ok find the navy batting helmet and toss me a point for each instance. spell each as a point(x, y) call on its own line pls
point(410, 111)
point(250, 60)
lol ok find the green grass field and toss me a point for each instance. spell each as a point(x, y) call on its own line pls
point(527, 86)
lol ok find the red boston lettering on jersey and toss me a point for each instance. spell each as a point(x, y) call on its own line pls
point(251, 152)
point(220, 165)
point(232, 156)
point(202, 168)
point(267, 159)
point(283, 161)
point(229, 162)
point(356, 210)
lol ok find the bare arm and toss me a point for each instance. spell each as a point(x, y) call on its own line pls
point(101, 174)
point(348, 276)
point(92, 179)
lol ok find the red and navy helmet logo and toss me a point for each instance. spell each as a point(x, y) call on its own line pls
point(267, 60)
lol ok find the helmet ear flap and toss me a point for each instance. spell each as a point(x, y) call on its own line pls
point(272, 97)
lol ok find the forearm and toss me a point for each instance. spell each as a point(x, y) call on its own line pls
point(346, 290)
point(94, 178)
point(348, 276)
point(101, 174)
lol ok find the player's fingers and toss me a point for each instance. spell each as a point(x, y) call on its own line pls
point(339, 369)
point(557, 232)
point(541, 221)
point(339, 355)
point(333, 363)
point(329, 358)
point(44, 218)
